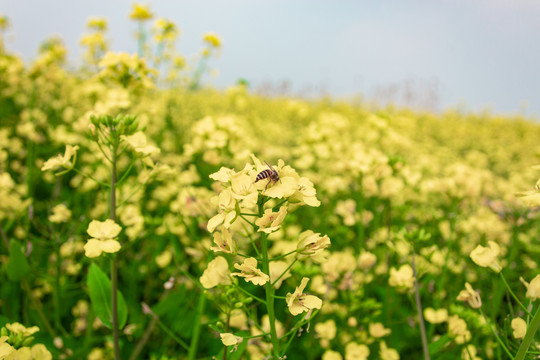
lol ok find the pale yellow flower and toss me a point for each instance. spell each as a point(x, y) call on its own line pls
point(354, 351)
point(229, 339)
point(212, 39)
point(387, 353)
point(331, 355)
point(103, 230)
point(223, 175)
point(300, 302)
point(377, 330)
point(271, 221)
point(311, 244)
point(435, 316)
point(216, 273)
point(402, 278)
point(519, 327)
point(457, 329)
point(224, 242)
point(250, 272)
point(487, 256)
point(140, 145)
point(19, 329)
point(94, 248)
point(366, 260)
point(60, 213)
point(326, 330)
point(471, 296)
point(533, 289)
point(227, 210)
point(60, 161)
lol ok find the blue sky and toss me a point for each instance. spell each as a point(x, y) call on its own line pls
point(473, 54)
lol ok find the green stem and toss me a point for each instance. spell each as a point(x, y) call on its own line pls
point(249, 294)
point(269, 289)
point(499, 339)
point(514, 295)
point(419, 309)
point(282, 256)
point(197, 330)
point(88, 176)
point(529, 336)
point(114, 260)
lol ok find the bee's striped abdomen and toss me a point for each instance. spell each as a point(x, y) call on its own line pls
point(265, 174)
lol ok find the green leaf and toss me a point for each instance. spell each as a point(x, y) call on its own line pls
point(434, 347)
point(17, 266)
point(99, 287)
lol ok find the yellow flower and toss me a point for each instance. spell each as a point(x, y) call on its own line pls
point(94, 247)
point(354, 351)
point(216, 273)
point(469, 353)
point(5, 348)
point(366, 260)
point(378, 330)
point(331, 355)
point(305, 193)
point(250, 272)
point(60, 214)
point(227, 212)
point(39, 351)
point(139, 144)
point(386, 353)
point(97, 23)
point(300, 302)
point(271, 221)
point(457, 329)
point(19, 329)
point(223, 175)
point(520, 328)
point(487, 256)
point(103, 239)
point(60, 161)
point(212, 39)
point(229, 339)
point(276, 269)
point(224, 242)
point(326, 330)
point(311, 244)
point(435, 316)
point(402, 278)
point(140, 12)
point(533, 289)
point(470, 296)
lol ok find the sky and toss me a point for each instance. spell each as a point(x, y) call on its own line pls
point(475, 55)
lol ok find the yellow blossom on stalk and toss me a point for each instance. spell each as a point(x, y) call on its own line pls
point(326, 331)
point(5, 348)
point(284, 187)
point(243, 188)
point(305, 193)
point(276, 269)
point(212, 39)
point(331, 355)
point(533, 289)
point(96, 23)
point(435, 316)
point(60, 161)
point(457, 329)
point(224, 242)
point(250, 272)
point(378, 330)
point(470, 296)
point(60, 214)
point(216, 273)
point(387, 353)
point(103, 239)
point(366, 260)
point(139, 144)
point(140, 12)
point(311, 245)
point(402, 278)
point(271, 221)
point(300, 302)
point(229, 339)
point(469, 353)
point(19, 329)
point(128, 71)
point(354, 351)
point(223, 175)
point(519, 327)
point(487, 256)
point(227, 210)
point(165, 30)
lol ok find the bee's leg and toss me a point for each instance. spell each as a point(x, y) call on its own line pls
point(268, 183)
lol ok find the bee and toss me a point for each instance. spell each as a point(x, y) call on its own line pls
point(270, 174)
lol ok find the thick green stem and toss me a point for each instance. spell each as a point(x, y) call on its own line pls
point(269, 289)
point(197, 330)
point(529, 336)
point(419, 309)
point(114, 261)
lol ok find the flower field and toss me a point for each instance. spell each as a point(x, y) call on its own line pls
point(145, 216)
